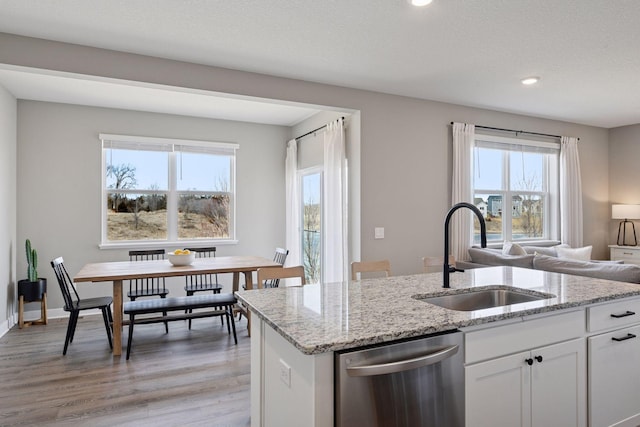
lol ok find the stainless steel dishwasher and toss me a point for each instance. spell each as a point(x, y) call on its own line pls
point(412, 383)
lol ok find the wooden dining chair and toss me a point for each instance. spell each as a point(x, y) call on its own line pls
point(434, 264)
point(280, 257)
point(360, 267)
point(74, 304)
point(149, 286)
point(203, 282)
point(269, 275)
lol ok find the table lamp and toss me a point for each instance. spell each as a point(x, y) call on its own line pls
point(625, 212)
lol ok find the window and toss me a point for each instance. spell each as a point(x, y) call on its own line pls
point(166, 190)
point(515, 184)
point(311, 199)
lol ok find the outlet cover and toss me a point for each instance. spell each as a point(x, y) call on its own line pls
point(378, 233)
point(285, 373)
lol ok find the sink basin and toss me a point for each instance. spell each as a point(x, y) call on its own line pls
point(485, 298)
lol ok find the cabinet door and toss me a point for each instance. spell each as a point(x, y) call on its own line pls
point(614, 377)
point(558, 385)
point(497, 392)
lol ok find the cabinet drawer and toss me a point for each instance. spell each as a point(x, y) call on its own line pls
point(614, 377)
point(629, 256)
point(498, 341)
point(613, 315)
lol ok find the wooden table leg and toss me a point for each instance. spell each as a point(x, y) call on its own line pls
point(248, 283)
point(21, 312)
point(117, 317)
point(43, 308)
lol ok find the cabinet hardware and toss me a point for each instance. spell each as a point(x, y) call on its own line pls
point(627, 253)
point(625, 314)
point(628, 337)
point(529, 361)
point(538, 358)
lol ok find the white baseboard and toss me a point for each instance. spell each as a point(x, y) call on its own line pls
point(54, 313)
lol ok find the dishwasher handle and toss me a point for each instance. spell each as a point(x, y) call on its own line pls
point(402, 365)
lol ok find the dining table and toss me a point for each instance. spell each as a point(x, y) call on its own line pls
point(119, 271)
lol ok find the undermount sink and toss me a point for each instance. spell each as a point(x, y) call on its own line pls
point(485, 298)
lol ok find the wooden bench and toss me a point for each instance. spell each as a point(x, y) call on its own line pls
point(221, 303)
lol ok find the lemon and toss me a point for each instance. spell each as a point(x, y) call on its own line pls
point(178, 252)
point(186, 252)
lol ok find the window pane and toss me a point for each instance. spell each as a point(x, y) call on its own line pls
point(311, 224)
point(204, 172)
point(528, 217)
point(526, 171)
point(491, 207)
point(203, 216)
point(136, 217)
point(132, 169)
point(487, 169)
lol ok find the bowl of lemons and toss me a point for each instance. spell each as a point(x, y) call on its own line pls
point(181, 257)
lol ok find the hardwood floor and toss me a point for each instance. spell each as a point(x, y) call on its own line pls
point(194, 377)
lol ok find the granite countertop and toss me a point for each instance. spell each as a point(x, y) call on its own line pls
point(336, 316)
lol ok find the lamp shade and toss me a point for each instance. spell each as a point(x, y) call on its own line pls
point(625, 211)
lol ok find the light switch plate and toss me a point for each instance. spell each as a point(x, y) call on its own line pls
point(285, 373)
point(379, 233)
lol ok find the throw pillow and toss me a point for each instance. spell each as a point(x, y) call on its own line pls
point(541, 250)
point(510, 248)
point(578, 254)
point(494, 257)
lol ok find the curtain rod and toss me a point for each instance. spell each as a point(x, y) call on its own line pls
point(315, 130)
point(519, 131)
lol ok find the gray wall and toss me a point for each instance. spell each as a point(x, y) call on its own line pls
point(405, 142)
point(624, 174)
point(59, 182)
point(8, 117)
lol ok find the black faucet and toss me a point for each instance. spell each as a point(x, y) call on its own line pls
point(483, 238)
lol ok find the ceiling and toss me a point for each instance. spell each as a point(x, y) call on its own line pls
point(467, 52)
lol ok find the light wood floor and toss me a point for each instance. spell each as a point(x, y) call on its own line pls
point(183, 378)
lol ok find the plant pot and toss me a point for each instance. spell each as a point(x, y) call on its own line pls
point(32, 291)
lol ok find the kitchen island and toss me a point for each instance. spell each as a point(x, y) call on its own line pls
point(299, 329)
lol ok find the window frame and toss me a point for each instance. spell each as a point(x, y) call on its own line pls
point(549, 192)
point(173, 147)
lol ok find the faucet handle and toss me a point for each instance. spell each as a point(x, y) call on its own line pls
point(452, 269)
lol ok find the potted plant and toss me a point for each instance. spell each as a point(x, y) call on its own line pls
point(32, 288)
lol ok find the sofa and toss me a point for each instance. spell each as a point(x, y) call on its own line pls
point(549, 259)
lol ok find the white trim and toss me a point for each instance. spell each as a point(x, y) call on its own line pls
point(166, 244)
point(154, 140)
point(517, 141)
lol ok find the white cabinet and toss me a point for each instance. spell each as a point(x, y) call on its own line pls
point(614, 356)
point(628, 254)
point(541, 387)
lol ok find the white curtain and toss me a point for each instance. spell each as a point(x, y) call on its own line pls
point(461, 189)
point(292, 196)
point(570, 193)
point(334, 204)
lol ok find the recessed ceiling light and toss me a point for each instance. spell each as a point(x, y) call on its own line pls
point(420, 2)
point(530, 80)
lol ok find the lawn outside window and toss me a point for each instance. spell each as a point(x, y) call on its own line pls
point(159, 192)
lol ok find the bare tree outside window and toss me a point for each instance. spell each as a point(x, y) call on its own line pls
point(529, 222)
point(311, 241)
point(124, 176)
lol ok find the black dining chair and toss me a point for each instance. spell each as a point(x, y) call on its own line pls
point(280, 257)
point(74, 304)
point(148, 286)
point(203, 282)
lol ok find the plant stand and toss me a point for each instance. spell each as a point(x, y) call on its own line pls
point(31, 292)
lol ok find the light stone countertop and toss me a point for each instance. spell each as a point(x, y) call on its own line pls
point(337, 316)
